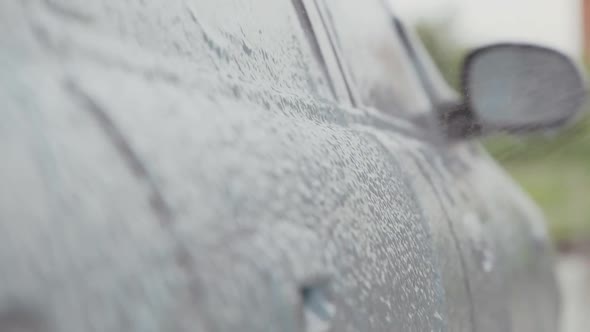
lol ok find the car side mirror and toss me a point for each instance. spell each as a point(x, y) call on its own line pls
point(517, 88)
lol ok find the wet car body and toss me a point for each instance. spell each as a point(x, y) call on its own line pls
point(247, 166)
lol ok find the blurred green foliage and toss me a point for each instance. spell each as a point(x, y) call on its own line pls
point(554, 168)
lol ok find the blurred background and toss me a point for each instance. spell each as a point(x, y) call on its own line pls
point(554, 168)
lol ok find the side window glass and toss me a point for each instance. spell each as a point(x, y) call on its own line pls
point(378, 65)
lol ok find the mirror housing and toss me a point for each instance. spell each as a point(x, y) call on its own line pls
point(516, 88)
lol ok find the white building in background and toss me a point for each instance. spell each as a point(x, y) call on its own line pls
point(554, 23)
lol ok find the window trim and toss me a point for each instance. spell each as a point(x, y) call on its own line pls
point(321, 38)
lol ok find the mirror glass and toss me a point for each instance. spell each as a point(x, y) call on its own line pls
point(510, 86)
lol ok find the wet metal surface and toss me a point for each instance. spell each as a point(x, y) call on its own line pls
point(187, 166)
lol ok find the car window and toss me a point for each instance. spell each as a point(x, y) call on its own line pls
point(378, 65)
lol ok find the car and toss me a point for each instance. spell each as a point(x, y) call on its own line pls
point(268, 165)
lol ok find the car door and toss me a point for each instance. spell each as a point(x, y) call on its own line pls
point(190, 165)
point(507, 214)
point(490, 239)
point(382, 75)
